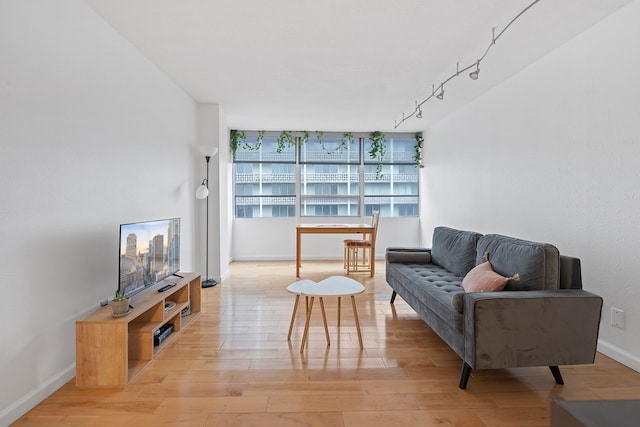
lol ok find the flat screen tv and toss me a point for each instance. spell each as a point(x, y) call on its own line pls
point(149, 253)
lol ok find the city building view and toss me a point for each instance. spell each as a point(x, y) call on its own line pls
point(149, 252)
point(325, 175)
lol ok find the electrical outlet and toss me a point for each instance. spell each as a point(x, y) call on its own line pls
point(617, 317)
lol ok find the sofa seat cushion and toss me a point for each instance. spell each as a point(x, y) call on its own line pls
point(435, 287)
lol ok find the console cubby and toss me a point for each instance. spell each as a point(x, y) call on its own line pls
point(111, 351)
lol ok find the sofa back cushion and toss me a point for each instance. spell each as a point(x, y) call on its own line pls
point(538, 264)
point(454, 250)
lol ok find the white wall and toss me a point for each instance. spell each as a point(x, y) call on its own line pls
point(552, 155)
point(225, 194)
point(208, 130)
point(275, 238)
point(91, 135)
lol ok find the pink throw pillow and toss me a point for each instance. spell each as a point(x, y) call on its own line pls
point(482, 278)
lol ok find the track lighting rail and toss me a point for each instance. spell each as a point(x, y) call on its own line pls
point(439, 94)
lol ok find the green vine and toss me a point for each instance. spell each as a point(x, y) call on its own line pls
point(319, 134)
point(305, 137)
point(417, 157)
point(347, 139)
point(236, 138)
point(378, 150)
point(285, 139)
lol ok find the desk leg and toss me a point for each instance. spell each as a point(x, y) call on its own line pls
point(355, 316)
point(298, 251)
point(306, 326)
point(324, 319)
point(293, 316)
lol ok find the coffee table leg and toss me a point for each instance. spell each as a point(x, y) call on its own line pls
point(293, 316)
point(306, 326)
point(324, 319)
point(355, 316)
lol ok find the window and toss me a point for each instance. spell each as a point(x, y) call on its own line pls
point(264, 179)
point(326, 176)
point(394, 192)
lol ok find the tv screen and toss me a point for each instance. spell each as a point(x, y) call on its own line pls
point(149, 252)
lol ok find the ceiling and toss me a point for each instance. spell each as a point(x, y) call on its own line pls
point(342, 65)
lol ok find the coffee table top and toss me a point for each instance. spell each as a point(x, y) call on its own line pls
point(338, 286)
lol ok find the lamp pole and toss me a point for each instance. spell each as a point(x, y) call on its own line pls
point(203, 193)
point(208, 283)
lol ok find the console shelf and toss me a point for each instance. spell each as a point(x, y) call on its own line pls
point(110, 351)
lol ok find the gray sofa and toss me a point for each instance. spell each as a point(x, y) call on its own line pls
point(544, 319)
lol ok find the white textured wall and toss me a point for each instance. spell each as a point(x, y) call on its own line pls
point(275, 238)
point(552, 155)
point(91, 135)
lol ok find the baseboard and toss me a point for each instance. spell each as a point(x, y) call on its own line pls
point(619, 355)
point(288, 258)
point(30, 400)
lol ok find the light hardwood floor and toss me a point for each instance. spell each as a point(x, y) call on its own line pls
point(234, 367)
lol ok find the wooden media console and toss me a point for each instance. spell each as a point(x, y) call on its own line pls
point(112, 351)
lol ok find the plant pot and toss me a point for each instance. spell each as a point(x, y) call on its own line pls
point(120, 308)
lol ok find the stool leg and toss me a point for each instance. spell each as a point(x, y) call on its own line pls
point(339, 298)
point(306, 326)
point(324, 319)
point(355, 316)
point(344, 257)
point(293, 316)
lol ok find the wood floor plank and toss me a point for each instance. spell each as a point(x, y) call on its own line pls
point(233, 366)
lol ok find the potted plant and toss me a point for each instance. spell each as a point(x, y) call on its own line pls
point(120, 304)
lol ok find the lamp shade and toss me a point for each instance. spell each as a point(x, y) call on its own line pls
point(208, 150)
point(202, 192)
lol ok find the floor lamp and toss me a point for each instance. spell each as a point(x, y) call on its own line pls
point(203, 193)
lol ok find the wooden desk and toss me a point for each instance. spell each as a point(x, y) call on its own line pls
point(330, 229)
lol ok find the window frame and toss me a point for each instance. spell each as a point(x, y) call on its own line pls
point(365, 176)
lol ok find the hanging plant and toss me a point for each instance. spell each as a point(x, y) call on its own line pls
point(285, 139)
point(378, 150)
point(418, 147)
point(319, 134)
point(305, 137)
point(238, 138)
point(346, 140)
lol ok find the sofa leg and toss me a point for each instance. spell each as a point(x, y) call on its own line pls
point(556, 374)
point(393, 297)
point(464, 375)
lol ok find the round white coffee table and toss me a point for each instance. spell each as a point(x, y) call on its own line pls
point(334, 286)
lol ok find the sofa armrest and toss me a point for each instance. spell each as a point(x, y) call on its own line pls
point(531, 328)
point(408, 255)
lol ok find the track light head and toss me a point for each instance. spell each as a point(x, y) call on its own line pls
point(419, 113)
point(474, 74)
point(440, 95)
